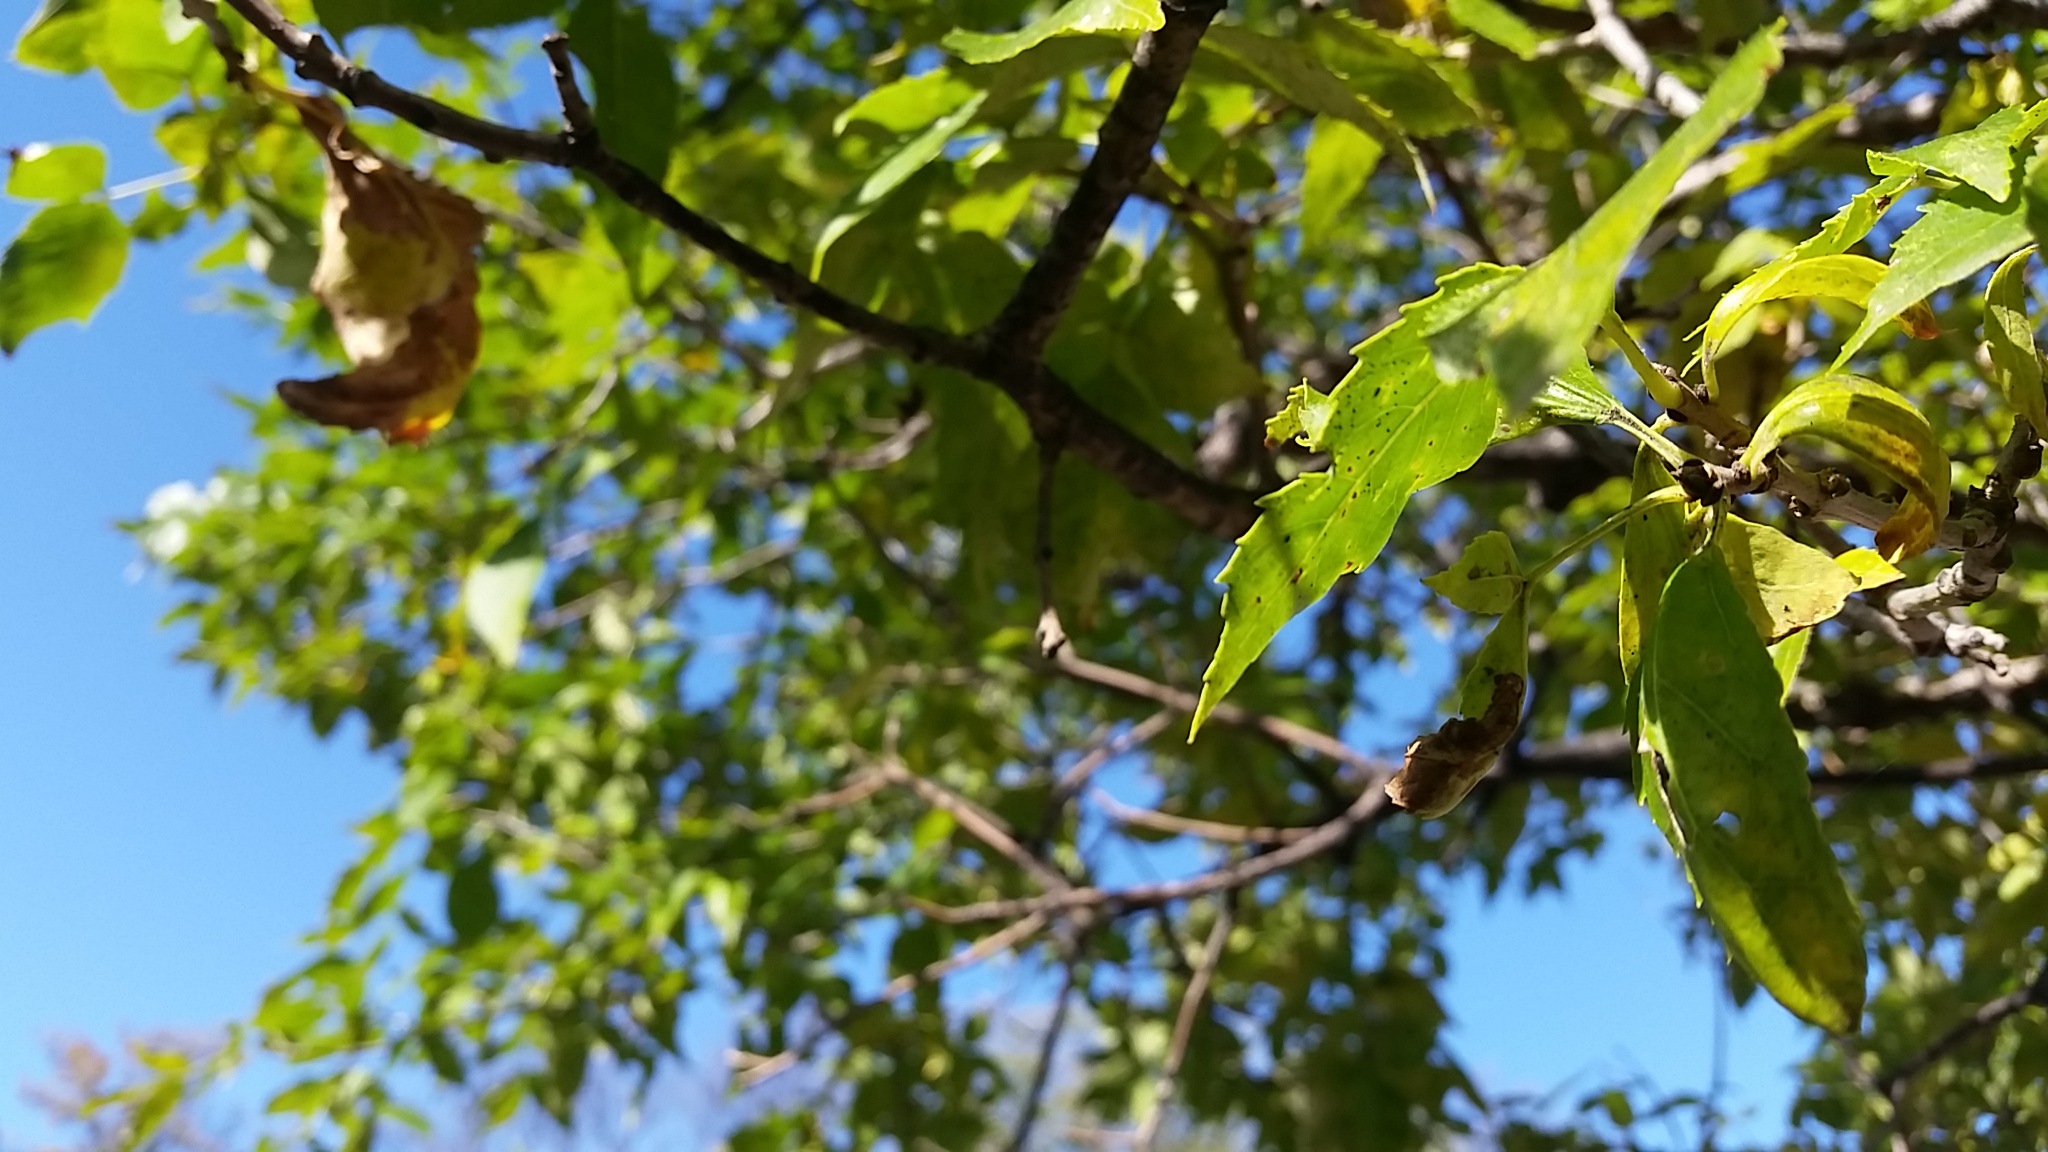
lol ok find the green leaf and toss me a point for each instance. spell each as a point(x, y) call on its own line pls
point(1531, 331)
point(1787, 656)
point(2009, 336)
point(1981, 157)
point(1293, 72)
point(1735, 777)
point(472, 899)
point(60, 268)
point(1787, 586)
point(1954, 237)
point(1654, 543)
point(498, 595)
point(341, 17)
point(901, 165)
point(1842, 276)
point(1392, 427)
point(1487, 18)
point(1881, 427)
point(1573, 396)
point(1073, 16)
point(1391, 71)
point(634, 95)
point(1486, 579)
point(56, 172)
point(1335, 168)
point(911, 102)
point(1855, 220)
point(55, 39)
point(1304, 419)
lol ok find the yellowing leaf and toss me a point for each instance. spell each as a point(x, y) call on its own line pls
point(1843, 276)
point(1881, 427)
point(1729, 764)
point(1486, 579)
point(1442, 767)
point(2009, 336)
point(397, 272)
point(1869, 569)
point(1073, 16)
point(1654, 543)
point(1785, 585)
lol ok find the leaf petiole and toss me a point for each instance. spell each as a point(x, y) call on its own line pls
point(1662, 390)
point(1655, 499)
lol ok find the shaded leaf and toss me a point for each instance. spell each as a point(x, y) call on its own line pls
point(1842, 276)
point(1881, 427)
point(1654, 543)
point(901, 165)
point(1732, 771)
point(633, 89)
point(1390, 71)
point(1292, 71)
point(60, 268)
point(472, 899)
point(1339, 160)
point(1491, 20)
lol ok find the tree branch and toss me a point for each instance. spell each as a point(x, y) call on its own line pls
point(1674, 94)
point(1184, 1022)
point(1041, 1074)
point(1893, 1084)
point(1123, 154)
point(1604, 755)
point(1052, 408)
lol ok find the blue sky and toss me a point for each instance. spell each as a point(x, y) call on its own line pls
point(163, 848)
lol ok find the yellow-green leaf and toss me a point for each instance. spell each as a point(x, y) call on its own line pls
point(1073, 16)
point(1786, 585)
point(1882, 428)
point(1732, 770)
point(1528, 333)
point(1486, 579)
point(56, 171)
point(60, 268)
point(1338, 162)
point(2009, 336)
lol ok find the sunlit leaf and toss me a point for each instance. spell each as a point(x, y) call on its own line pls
point(60, 268)
point(1073, 16)
point(1879, 426)
point(1786, 585)
point(56, 172)
point(2009, 337)
point(1956, 235)
point(1486, 579)
point(1339, 160)
point(1530, 332)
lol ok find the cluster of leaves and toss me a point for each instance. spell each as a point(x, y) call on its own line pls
point(660, 623)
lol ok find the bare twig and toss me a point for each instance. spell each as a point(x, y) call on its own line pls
point(1184, 1022)
point(1284, 732)
point(1041, 1075)
point(1138, 734)
point(982, 824)
point(1658, 85)
point(1206, 829)
point(1369, 808)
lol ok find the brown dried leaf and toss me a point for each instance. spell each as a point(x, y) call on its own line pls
point(397, 272)
point(1442, 767)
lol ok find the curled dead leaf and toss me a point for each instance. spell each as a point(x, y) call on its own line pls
point(397, 272)
point(1442, 767)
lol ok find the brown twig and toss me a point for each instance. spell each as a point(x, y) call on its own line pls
point(1892, 1084)
point(1141, 733)
point(1184, 1022)
point(1183, 826)
point(1041, 1074)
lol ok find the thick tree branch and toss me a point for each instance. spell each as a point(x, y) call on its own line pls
point(1123, 154)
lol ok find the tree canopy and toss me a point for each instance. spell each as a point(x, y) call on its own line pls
point(812, 438)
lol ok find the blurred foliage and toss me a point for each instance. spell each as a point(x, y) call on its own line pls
point(688, 568)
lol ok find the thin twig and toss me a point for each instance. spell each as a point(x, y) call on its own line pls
point(982, 824)
point(1137, 735)
point(1893, 1084)
point(1183, 826)
point(1658, 85)
point(1184, 1023)
point(1041, 1075)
